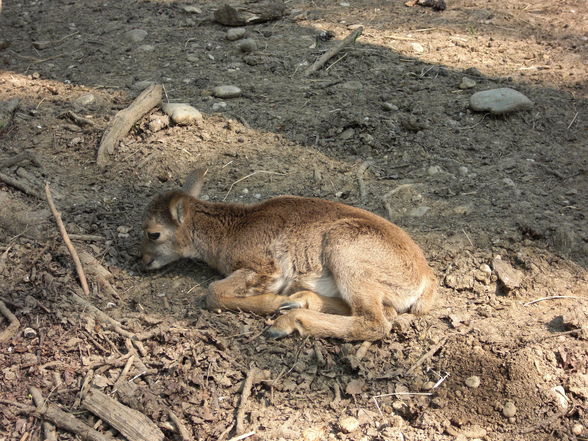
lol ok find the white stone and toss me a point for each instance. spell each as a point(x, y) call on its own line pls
point(236, 33)
point(226, 92)
point(182, 113)
point(467, 83)
point(418, 48)
point(136, 35)
point(247, 45)
point(499, 101)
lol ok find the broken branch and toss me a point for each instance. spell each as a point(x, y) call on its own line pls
point(126, 118)
point(13, 323)
point(334, 51)
point(68, 244)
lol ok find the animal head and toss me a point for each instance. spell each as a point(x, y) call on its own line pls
point(168, 235)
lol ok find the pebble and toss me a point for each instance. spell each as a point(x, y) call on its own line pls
point(560, 397)
point(236, 33)
point(348, 424)
point(192, 9)
point(473, 72)
point(247, 45)
point(577, 429)
point(182, 113)
point(499, 101)
point(85, 100)
point(428, 385)
point(347, 134)
point(473, 382)
point(485, 268)
point(418, 48)
point(158, 122)
point(219, 106)
point(226, 91)
point(467, 83)
point(511, 277)
point(433, 170)
point(463, 171)
point(136, 35)
point(389, 107)
point(509, 410)
point(352, 85)
point(419, 211)
point(146, 48)
point(29, 333)
point(142, 85)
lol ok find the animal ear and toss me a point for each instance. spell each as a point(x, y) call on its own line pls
point(194, 182)
point(177, 209)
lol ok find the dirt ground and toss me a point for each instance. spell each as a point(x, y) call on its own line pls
point(467, 186)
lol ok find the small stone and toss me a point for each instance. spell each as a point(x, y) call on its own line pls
point(433, 170)
point(312, 434)
point(226, 92)
point(474, 431)
point(418, 48)
point(389, 107)
point(247, 45)
point(182, 113)
point(419, 211)
point(463, 171)
point(485, 268)
point(158, 122)
point(352, 85)
point(428, 385)
point(136, 35)
point(347, 134)
point(216, 107)
point(499, 101)
point(577, 429)
point(560, 396)
point(29, 333)
point(142, 85)
point(345, 4)
point(509, 410)
point(123, 229)
point(348, 424)
point(85, 100)
point(473, 382)
point(510, 277)
point(234, 34)
point(146, 48)
point(467, 83)
point(473, 72)
point(190, 9)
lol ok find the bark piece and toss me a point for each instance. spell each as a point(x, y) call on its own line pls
point(134, 425)
point(126, 118)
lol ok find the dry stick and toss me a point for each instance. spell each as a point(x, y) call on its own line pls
point(18, 158)
point(427, 355)
point(48, 428)
point(79, 120)
point(553, 298)
point(181, 428)
point(362, 350)
point(25, 188)
point(245, 435)
point(104, 318)
point(360, 171)
point(334, 51)
point(125, 370)
point(126, 118)
point(68, 244)
point(13, 325)
point(87, 237)
point(254, 375)
point(61, 419)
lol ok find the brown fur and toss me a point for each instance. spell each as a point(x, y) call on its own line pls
point(344, 271)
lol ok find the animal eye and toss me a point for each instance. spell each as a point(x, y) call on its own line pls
point(153, 236)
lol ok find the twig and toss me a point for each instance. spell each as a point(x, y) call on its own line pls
point(79, 120)
point(87, 237)
point(254, 375)
point(334, 51)
point(18, 158)
point(25, 188)
point(553, 298)
point(362, 350)
point(467, 237)
point(245, 435)
point(336, 61)
point(181, 428)
point(126, 118)
point(125, 370)
point(427, 355)
point(573, 120)
point(13, 325)
point(360, 171)
point(68, 244)
point(48, 428)
point(477, 124)
point(61, 419)
point(248, 176)
point(394, 394)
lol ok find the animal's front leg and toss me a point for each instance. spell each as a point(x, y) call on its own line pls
point(240, 291)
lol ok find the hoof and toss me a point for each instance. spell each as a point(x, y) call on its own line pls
point(276, 333)
point(286, 306)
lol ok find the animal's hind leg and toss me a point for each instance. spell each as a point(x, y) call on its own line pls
point(315, 302)
point(319, 324)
